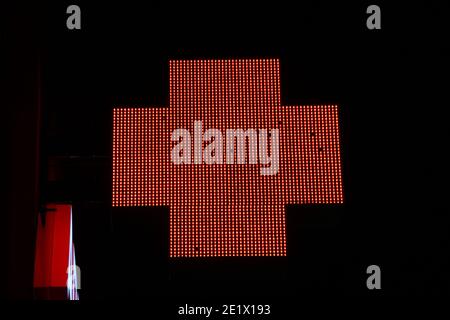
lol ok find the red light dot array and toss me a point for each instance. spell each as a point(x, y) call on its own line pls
point(226, 209)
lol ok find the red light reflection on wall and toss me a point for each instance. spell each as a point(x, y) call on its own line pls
point(55, 252)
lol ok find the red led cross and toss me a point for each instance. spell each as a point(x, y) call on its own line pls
point(226, 209)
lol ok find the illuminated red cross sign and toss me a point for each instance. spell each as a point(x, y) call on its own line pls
point(226, 156)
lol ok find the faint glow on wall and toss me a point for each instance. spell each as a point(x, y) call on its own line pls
point(221, 209)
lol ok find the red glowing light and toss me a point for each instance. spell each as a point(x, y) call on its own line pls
point(226, 209)
point(55, 251)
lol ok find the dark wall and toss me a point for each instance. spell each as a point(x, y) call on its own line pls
point(21, 118)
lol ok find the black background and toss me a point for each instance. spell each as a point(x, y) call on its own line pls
point(389, 84)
